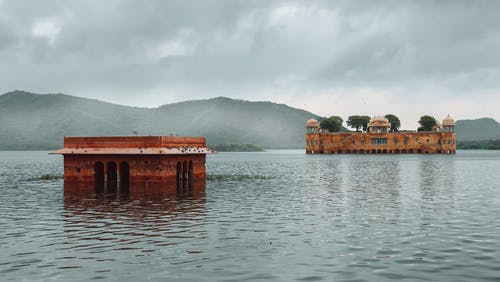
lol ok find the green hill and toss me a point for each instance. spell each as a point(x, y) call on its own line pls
point(35, 121)
point(477, 129)
point(39, 121)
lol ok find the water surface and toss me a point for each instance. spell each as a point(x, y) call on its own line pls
point(291, 217)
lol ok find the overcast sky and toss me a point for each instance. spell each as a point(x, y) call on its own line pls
point(329, 57)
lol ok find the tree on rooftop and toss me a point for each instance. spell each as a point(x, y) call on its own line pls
point(333, 123)
point(395, 122)
point(358, 122)
point(426, 123)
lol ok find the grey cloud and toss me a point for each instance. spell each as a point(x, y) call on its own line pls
point(194, 49)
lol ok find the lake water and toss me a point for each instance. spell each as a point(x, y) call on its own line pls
point(271, 216)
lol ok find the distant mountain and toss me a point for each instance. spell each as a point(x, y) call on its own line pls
point(39, 121)
point(477, 129)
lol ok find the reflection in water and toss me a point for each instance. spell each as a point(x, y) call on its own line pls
point(312, 217)
point(437, 180)
point(141, 222)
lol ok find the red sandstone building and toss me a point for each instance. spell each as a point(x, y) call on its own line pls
point(134, 164)
point(379, 139)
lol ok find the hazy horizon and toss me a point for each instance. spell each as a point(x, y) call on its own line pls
point(341, 58)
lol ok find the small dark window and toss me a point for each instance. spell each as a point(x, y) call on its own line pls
point(353, 142)
point(78, 170)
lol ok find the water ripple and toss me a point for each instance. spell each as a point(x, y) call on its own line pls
point(272, 216)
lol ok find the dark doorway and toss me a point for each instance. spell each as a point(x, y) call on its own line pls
point(190, 175)
point(112, 177)
point(185, 178)
point(124, 177)
point(99, 177)
point(178, 177)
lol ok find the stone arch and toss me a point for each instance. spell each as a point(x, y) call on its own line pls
point(374, 151)
point(379, 151)
point(419, 151)
point(347, 151)
point(178, 177)
point(98, 177)
point(397, 151)
point(403, 151)
point(190, 175)
point(411, 151)
point(384, 151)
point(185, 177)
point(339, 151)
point(124, 177)
point(355, 151)
point(112, 177)
point(361, 151)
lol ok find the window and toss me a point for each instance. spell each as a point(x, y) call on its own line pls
point(395, 141)
point(379, 141)
point(362, 142)
point(353, 142)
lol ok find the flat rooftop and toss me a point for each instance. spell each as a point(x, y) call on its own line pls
point(133, 145)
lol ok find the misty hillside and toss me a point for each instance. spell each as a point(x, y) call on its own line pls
point(34, 121)
point(477, 129)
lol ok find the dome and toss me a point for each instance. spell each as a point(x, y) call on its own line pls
point(312, 123)
point(448, 120)
point(379, 121)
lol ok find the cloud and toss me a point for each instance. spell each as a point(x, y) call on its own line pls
point(341, 57)
point(48, 29)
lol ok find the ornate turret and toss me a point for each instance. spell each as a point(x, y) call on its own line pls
point(379, 125)
point(448, 124)
point(312, 126)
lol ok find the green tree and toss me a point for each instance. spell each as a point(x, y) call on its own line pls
point(358, 122)
point(395, 122)
point(426, 123)
point(333, 123)
point(365, 122)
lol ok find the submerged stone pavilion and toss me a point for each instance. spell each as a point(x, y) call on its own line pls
point(133, 163)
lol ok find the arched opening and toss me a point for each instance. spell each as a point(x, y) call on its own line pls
point(124, 177)
point(190, 174)
point(99, 177)
point(347, 151)
point(185, 178)
point(426, 152)
point(355, 151)
point(403, 151)
point(419, 151)
point(397, 151)
point(179, 177)
point(410, 151)
point(379, 151)
point(374, 151)
point(339, 151)
point(361, 151)
point(384, 151)
point(112, 177)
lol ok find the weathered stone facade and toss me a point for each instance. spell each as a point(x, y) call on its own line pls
point(133, 164)
point(378, 140)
